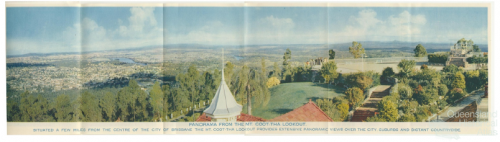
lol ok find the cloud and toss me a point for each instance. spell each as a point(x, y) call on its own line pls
point(211, 33)
point(141, 19)
point(276, 30)
point(142, 30)
point(367, 27)
point(279, 23)
point(267, 29)
point(69, 40)
point(365, 19)
point(87, 35)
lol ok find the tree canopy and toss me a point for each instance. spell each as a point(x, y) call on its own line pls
point(156, 101)
point(388, 111)
point(406, 67)
point(329, 71)
point(420, 51)
point(108, 105)
point(354, 95)
point(251, 83)
point(459, 81)
point(356, 49)
point(331, 54)
point(63, 108)
point(287, 56)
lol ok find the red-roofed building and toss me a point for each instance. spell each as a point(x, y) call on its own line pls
point(309, 112)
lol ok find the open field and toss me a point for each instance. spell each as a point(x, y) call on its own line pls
point(288, 96)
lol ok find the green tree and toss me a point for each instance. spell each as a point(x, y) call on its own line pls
point(25, 106)
point(13, 112)
point(288, 73)
point(462, 41)
point(455, 94)
point(330, 109)
point(212, 81)
point(286, 57)
point(343, 109)
point(407, 118)
point(191, 83)
point(477, 60)
point(420, 51)
point(458, 81)
point(63, 108)
point(354, 95)
point(180, 99)
point(132, 102)
point(141, 105)
point(156, 101)
point(301, 73)
point(360, 80)
point(423, 96)
point(331, 54)
point(34, 109)
point(443, 90)
point(287, 68)
point(356, 49)
point(329, 71)
point(472, 80)
point(450, 69)
point(167, 100)
point(90, 108)
point(252, 83)
point(273, 81)
point(476, 48)
point(388, 72)
point(430, 75)
point(228, 73)
point(263, 66)
point(406, 67)
point(404, 91)
point(276, 71)
point(389, 111)
point(408, 107)
point(483, 77)
point(108, 105)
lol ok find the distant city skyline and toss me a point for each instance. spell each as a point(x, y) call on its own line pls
point(73, 29)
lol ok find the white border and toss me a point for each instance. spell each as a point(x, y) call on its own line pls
point(182, 138)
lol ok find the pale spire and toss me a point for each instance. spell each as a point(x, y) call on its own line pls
point(223, 104)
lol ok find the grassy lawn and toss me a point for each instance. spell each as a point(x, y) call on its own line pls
point(288, 96)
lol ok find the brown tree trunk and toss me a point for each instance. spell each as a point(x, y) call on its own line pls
point(249, 101)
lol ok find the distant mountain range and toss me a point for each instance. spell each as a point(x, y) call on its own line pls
point(401, 45)
point(339, 46)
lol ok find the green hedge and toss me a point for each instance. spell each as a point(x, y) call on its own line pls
point(475, 60)
point(437, 58)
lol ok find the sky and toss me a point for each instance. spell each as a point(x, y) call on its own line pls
point(77, 29)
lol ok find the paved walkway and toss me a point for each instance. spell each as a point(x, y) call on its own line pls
point(369, 107)
point(476, 96)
